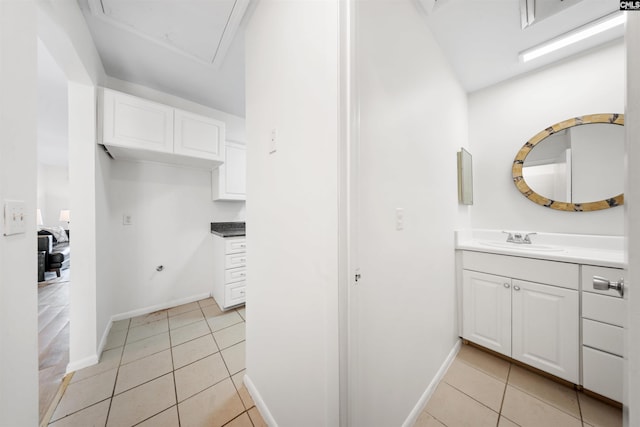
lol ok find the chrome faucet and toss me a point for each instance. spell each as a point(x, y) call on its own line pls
point(519, 238)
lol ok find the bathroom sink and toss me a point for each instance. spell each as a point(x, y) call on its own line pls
point(521, 246)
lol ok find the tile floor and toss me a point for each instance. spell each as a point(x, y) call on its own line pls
point(480, 390)
point(178, 367)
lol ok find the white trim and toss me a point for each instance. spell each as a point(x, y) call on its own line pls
point(82, 363)
point(152, 308)
point(257, 399)
point(431, 388)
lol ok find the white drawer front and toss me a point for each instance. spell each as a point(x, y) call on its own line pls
point(602, 336)
point(555, 273)
point(602, 373)
point(604, 309)
point(235, 260)
point(234, 294)
point(235, 274)
point(611, 274)
point(234, 246)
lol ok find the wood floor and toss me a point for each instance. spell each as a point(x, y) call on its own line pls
point(53, 335)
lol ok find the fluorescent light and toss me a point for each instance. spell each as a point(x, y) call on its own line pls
point(567, 39)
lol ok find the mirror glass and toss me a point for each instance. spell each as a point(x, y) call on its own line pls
point(576, 165)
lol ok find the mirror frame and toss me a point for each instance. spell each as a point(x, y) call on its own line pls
point(518, 162)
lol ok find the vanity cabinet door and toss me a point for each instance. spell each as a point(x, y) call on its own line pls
point(545, 328)
point(486, 301)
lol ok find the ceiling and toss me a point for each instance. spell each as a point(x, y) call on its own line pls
point(193, 49)
point(482, 38)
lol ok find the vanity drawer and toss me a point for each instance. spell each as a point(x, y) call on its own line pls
point(603, 337)
point(554, 273)
point(235, 260)
point(234, 246)
point(604, 308)
point(234, 294)
point(602, 373)
point(611, 274)
point(235, 274)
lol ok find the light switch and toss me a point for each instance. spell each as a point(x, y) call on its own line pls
point(399, 219)
point(126, 219)
point(15, 221)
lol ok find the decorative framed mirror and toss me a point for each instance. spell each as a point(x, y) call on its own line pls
point(575, 165)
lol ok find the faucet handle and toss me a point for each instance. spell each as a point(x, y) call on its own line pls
point(527, 239)
point(509, 236)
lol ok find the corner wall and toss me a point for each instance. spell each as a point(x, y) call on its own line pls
point(292, 211)
point(413, 120)
point(503, 117)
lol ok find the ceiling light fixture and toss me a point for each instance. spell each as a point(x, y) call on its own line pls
point(581, 33)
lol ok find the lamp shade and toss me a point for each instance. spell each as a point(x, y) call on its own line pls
point(65, 215)
point(39, 217)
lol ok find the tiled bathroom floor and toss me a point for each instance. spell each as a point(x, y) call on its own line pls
point(178, 367)
point(480, 390)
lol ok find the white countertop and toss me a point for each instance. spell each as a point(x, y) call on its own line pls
point(605, 251)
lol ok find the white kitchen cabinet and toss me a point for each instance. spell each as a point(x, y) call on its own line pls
point(230, 271)
point(132, 122)
point(229, 181)
point(535, 323)
point(198, 136)
point(135, 128)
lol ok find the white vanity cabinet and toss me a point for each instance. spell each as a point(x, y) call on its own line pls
point(229, 181)
point(230, 271)
point(535, 321)
point(139, 129)
point(603, 323)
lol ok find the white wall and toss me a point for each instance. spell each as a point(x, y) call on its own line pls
point(292, 199)
point(53, 187)
point(171, 211)
point(18, 290)
point(503, 117)
point(413, 120)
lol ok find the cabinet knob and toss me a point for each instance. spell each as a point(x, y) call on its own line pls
point(506, 285)
point(516, 288)
point(602, 284)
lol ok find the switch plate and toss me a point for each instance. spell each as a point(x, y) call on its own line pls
point(15, 221)
point(399, 219)
point(126, 219)
point(273, 142)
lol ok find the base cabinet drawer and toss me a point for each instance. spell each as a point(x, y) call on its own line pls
point(604, 308)
point(234, 294)
point(602, 336)
point(235, 260)
point(235, 274)
point(234, 246)
point(602, 373)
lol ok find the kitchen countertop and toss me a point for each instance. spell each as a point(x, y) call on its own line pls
point(605, 251)
point(228, 229)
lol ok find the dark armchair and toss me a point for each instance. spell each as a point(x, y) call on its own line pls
point(56, 257)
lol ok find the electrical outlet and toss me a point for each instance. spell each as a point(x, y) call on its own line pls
point(126, 219)
point(273, 142)
point(399, 219)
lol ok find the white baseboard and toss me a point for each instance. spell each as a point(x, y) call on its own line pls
point(151, 309)
point(257, 399)
point(424, 399)
point(82, 363)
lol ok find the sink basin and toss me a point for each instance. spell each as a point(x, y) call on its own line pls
point(521, 246)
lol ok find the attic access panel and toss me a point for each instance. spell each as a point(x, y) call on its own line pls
point(533, 11)
point(201, 29)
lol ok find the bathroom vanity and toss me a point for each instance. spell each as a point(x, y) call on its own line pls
point(537, 304)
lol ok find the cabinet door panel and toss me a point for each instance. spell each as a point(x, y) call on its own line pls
point(236, 170)
point(198, 136)
point(487, 311)
point(137, 123)
point(545, 328)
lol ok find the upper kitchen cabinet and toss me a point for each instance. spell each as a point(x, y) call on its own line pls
point(139, 129)
point(229, 181)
